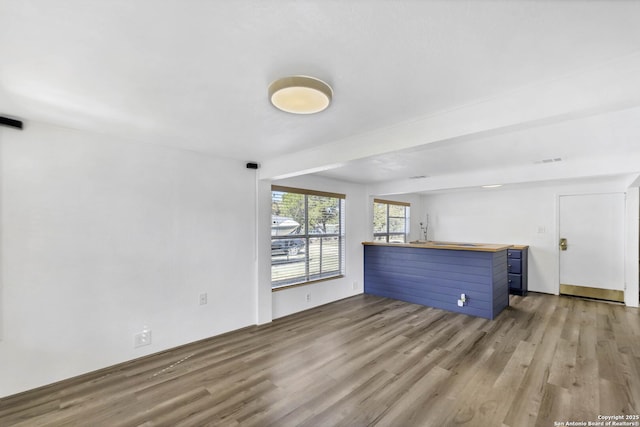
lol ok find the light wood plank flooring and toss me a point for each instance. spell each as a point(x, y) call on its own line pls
point(371, 361)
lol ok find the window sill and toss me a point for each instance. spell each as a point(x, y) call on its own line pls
point(295, 285)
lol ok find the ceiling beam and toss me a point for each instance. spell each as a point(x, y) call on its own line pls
point(583, 168)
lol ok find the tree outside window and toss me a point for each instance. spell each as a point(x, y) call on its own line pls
point(307, 236)
point(390, 221)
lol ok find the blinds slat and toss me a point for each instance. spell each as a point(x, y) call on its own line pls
point(307, 236)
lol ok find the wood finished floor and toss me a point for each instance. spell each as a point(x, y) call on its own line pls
point(371, 361)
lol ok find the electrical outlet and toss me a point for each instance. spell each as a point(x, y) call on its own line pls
point(355, 285)
point(143, 338)
point(308, 297)
point(203, 299)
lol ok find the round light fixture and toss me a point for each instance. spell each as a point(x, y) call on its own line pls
point(300, 94)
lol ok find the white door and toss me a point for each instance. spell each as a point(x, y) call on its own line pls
point(593, 226)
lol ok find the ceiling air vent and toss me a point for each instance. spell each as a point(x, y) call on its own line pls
point(552, 160)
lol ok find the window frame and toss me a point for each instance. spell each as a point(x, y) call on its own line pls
point(307, 236)
point(387, 234)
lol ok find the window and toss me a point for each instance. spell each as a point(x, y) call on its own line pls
point(307, 236)
point(390, 221)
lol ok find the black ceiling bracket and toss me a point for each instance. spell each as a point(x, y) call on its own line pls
point(12, 123)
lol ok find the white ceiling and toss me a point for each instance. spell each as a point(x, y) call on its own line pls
point(436, 88)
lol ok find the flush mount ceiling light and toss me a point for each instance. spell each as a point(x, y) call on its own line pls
point(300, 94)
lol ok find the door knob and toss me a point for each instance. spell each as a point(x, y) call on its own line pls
point(563, 244)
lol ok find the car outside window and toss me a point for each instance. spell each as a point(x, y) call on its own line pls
point(307, 236)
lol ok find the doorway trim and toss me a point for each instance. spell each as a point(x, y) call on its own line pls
point(631, 244)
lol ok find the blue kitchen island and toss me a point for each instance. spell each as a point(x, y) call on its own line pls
point(436, 274)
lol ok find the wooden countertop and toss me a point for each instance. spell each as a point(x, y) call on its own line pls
point(457, 246)
point(520, 247)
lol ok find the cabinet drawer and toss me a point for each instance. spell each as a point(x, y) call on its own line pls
point(514, 253)
point(514, 265)
point(515, 281)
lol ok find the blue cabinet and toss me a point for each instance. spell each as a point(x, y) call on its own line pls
point(437, 277)
point(517, 265)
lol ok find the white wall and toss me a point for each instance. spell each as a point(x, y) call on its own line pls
point(632, 246)
point(527, 216)
point(292, 300)
point(264, 304)
point(1, 247)
point(101, 237)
